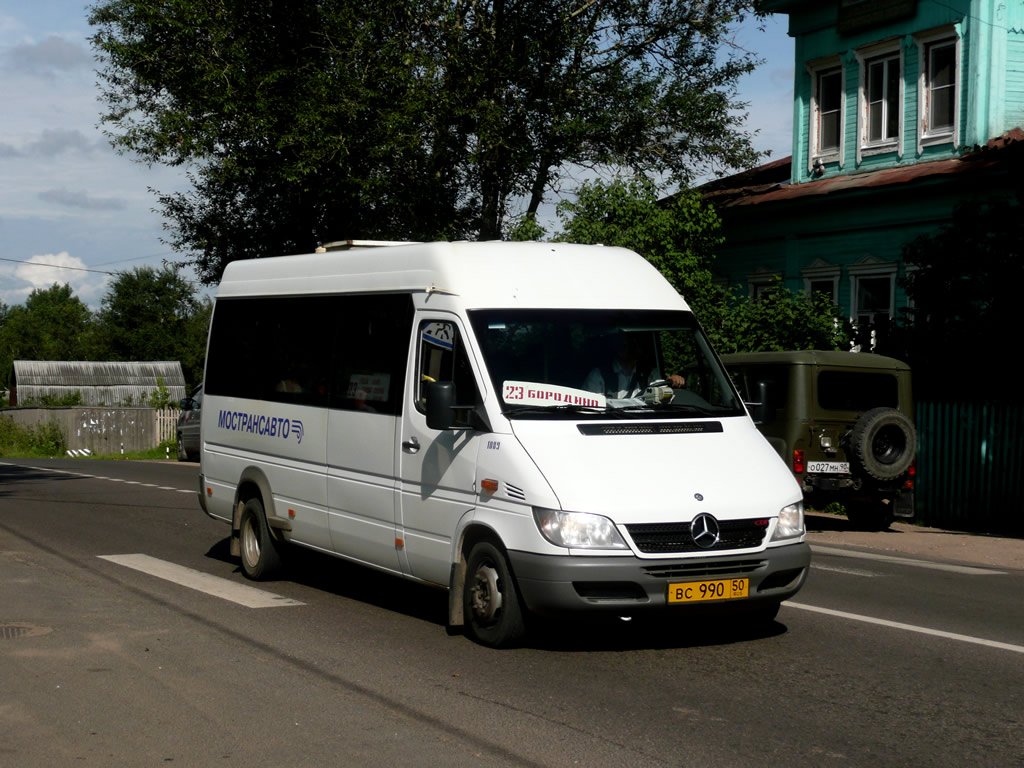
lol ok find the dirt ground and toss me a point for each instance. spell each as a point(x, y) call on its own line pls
point(903, 539)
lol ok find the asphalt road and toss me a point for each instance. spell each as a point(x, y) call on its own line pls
point(881, 659)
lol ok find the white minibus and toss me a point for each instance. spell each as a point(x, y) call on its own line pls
point(540, 428)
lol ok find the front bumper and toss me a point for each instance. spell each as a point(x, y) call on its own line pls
point(551, 585)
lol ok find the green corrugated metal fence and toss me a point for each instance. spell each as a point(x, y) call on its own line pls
point(970, 466)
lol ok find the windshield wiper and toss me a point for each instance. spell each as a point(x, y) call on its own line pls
point(523, 409)
point(670, 408)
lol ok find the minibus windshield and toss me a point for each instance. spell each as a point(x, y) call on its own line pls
point(551, 363)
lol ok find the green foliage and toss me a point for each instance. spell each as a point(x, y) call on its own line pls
point(161, 396)
point(60, 401)
point(53, 324)
point(399, 119)
point(527, 229)
point(679, 237)
point(146, 314)
point(780, 319)
point(42, 441)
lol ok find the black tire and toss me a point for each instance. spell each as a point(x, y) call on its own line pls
point(260, 551)
point(490, 600)
point(884, 443)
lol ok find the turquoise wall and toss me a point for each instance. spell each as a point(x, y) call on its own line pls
point(845, 230)
point(991, 76)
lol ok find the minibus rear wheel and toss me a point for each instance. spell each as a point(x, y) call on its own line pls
point(261, 557)
point(490, 600)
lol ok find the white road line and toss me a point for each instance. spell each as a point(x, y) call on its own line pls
point(908, 627)
point(99, 477)
point(850, 571)
point(250, 597)
point(965, 569)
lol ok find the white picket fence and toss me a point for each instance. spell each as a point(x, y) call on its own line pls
point(166, 420)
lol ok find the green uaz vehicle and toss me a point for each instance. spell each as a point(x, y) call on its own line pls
point(842, 422)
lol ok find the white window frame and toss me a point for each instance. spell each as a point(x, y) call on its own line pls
point(925, 42)
point(866, 57)
point(820, 271)
point(870, 267)
point(816, 157)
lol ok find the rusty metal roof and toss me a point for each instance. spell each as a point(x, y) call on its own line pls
point(770, 183)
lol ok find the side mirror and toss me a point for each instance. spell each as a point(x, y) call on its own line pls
point(186, 404)
point(440, 397)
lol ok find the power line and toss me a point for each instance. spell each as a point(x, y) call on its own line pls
point(83, 269)
point(57, 266)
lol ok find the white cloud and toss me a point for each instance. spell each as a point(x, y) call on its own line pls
point(43, 270)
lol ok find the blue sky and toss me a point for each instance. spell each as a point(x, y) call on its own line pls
point(72, 210)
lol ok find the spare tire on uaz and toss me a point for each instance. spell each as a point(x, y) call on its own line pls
point(884, 443)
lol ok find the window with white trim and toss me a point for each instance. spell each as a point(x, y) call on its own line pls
point(939, 87)
point(827, 107)
point(822, 277)
point(872, 292)
point(882, 99)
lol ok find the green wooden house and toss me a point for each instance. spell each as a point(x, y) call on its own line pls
point(901, 108)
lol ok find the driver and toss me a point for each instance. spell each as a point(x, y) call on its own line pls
point(624, 377)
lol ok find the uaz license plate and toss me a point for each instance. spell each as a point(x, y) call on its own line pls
point(697, 591)
point(831, 467)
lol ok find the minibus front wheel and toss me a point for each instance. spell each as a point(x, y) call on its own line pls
point(490, 600)
point(261, 557)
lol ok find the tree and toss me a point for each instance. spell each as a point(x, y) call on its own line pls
point(53, 324)
point(147, 314)
point(679, 237)
point(419, 119)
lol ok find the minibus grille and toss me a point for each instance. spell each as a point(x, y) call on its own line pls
point(657, 538)
point(700, 568)
point(651, 428)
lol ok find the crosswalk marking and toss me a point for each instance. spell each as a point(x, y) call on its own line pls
point(242, 594)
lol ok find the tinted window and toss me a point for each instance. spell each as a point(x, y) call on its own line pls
point(443, 357)
point(855, 391)
point(344, 351)
point(774, 393)
point(616, 353)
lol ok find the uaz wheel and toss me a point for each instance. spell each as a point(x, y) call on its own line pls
point(884, 443)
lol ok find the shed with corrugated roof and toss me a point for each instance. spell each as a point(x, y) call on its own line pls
point(99, 383)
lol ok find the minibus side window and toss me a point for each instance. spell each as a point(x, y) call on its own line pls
point(442, 357)
point(369, 348)
point(345, 351)
point(263, 349)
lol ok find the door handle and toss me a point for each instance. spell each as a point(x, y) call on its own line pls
point(412, 445)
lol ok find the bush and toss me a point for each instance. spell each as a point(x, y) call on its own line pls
point(41, 441)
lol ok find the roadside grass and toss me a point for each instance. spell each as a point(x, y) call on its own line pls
point(37, 442)
point(47, 441)
point(166, 450)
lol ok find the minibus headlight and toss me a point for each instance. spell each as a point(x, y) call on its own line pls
point(791, 522)
point(577, 530)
